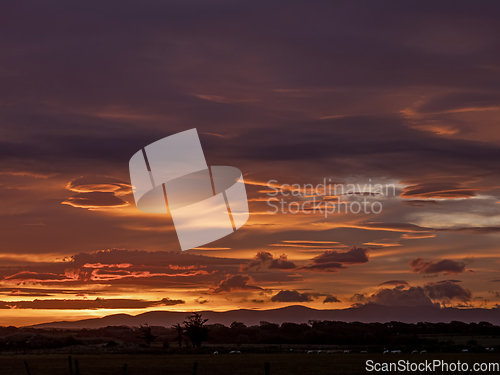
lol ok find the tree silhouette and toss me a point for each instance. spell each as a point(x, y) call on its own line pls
point(180, 331)
point(196, 329)
point(146, 334)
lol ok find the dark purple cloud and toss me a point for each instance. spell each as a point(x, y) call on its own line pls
point(264, 260)
point(449, 281)
point(447, 291)
point(431, 294)
point(332, 260)
point(445, 266)
point(291, 296)
point(235, 283)
point(354, 255)
point(394, 282)
point(324, 267)
point(400, 296)
point(331, 299)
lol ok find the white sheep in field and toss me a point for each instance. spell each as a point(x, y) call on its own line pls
point(346, 351)
point(234, 352)
point(216, 352)
point(310, 351)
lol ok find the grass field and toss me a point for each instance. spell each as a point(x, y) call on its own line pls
point(222, 364)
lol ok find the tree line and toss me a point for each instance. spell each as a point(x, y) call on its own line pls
point(195, 331)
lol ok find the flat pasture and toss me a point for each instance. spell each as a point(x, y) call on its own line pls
point(222, 364)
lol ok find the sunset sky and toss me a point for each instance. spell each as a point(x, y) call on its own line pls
point(402, 93)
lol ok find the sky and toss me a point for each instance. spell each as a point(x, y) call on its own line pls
point(401, 94)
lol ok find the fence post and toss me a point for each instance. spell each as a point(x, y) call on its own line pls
point(70, 362)
point(125, 369)
point(77, 367)
point(27, 367)
point(195, 368)
point(267, 368)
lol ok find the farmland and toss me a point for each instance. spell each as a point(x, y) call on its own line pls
point(222, 364)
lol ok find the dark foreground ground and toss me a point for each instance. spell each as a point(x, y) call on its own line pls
point(222, 364)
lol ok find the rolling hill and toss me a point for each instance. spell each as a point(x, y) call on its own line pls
point(295, 314)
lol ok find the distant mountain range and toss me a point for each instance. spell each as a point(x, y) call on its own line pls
point(294, 314)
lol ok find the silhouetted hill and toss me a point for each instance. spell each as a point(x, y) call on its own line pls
point(295, 314)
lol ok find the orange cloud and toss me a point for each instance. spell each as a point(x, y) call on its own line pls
point(86, 304)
